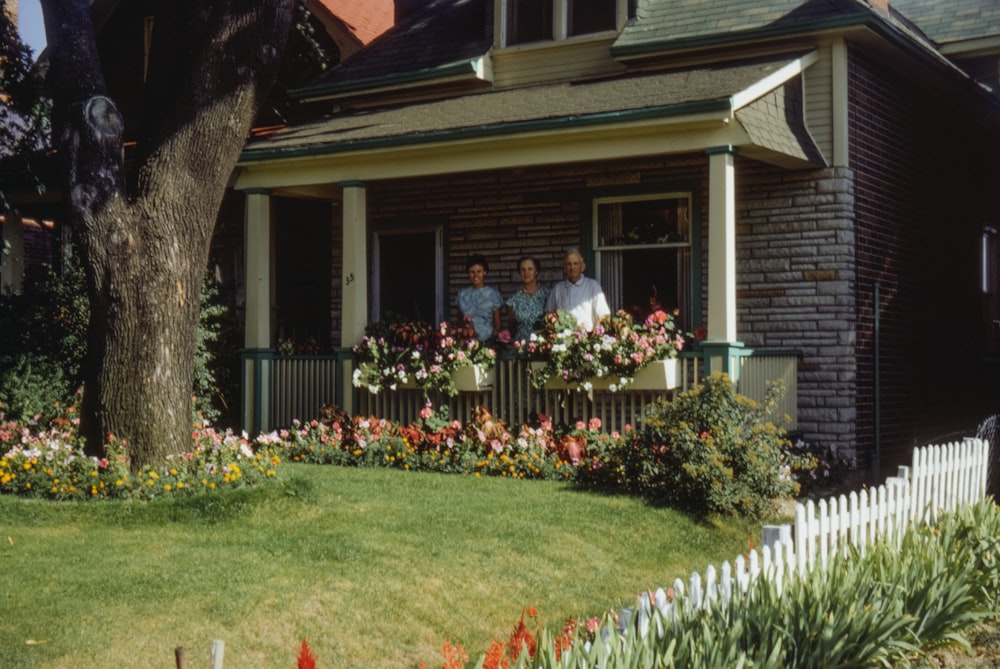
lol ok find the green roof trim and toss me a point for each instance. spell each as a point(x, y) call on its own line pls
point(465, 66)
point(258, 155)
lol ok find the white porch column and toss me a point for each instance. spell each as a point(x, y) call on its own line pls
point(354, 279)
point(721, 340)
point(257, 355)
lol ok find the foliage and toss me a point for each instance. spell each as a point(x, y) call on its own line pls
point(24, 111)
point(712, 450)
point(615, 349)
point(394, 353)
point(829, 469)
point(43, 334)
point(216, 381)
point(51, 464)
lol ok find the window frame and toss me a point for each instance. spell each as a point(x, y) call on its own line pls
point(691, 244)
point(560, 27)
point(439, 263)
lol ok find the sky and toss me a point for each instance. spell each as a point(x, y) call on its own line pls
point(30, 25)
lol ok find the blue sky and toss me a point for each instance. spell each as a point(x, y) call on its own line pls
point(30, 25)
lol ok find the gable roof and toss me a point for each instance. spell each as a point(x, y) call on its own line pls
point(444, 33)
point(709, 94)
point(946, 21)
point(666, 22)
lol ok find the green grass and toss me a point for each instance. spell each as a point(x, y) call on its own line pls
point(376, 568)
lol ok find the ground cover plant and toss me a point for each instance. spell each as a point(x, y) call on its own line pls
point(374, 566)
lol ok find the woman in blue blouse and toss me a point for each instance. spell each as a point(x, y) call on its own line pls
point(527, 304)
point(479, 302)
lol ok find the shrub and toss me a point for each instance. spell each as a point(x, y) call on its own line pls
point(43, 334)
point(712, 450)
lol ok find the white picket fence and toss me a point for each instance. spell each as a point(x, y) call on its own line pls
point(941, 479)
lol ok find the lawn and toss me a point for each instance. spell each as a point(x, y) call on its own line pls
point(375, 567)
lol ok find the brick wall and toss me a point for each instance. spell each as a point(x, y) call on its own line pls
point(506, 214)
point(922, 196)
point(795, 282)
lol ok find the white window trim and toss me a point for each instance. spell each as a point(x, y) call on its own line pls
point(599, 249)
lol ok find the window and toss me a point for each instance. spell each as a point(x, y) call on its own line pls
point(408, 269)
point(642, 247)
point(542, 20)
point(587, 16)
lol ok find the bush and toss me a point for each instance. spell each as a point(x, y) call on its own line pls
point(711, 450)
point(43, 334)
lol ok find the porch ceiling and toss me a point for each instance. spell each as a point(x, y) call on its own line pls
point(740, 104)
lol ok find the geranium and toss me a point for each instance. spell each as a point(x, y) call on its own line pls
point(615, 349)
point(393, 354)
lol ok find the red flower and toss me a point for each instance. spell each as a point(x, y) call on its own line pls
point(306, 659)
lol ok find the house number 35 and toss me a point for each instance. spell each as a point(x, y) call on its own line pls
point(350, 279)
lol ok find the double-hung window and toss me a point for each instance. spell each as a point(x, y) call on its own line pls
point(526, 21)
point(642, 248)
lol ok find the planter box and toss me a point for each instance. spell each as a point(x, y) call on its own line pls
point(470, 378)
point(659, 375)
point(473, 378)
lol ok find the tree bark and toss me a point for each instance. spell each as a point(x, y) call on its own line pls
point(145, 236)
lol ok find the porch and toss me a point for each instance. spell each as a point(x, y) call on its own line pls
point(280, 389)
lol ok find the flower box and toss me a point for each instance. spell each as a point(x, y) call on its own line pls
point(470, 378)
point(658, 375)
point(473, 377)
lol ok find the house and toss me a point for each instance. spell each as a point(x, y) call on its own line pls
point(811, 179)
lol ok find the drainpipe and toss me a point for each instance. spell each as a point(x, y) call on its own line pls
point(878, 386)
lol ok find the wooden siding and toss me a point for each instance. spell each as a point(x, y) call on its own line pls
point(566, 60)
point(818, 80)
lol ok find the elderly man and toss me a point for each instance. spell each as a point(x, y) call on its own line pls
point(577, 294)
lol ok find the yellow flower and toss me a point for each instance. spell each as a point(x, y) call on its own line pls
point(167, 488)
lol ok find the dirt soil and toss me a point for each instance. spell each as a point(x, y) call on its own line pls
point(985, 642)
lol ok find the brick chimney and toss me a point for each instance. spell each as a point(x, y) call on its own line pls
point(881, 7)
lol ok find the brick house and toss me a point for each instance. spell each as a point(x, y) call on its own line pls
point(821, 170)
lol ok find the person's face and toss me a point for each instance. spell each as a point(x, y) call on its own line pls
point(573, 265)
point(477, 275)
point(528, 272)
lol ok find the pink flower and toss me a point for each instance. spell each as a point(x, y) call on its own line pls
point(580, 425)
point(594, 424)
point(426, 412)
point(496, 445)
point(504, 337)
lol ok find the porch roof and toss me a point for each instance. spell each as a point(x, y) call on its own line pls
point(742, 100)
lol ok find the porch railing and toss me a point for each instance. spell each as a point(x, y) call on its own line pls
point(303, 384)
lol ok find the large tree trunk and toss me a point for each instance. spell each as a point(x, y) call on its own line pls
point(145, 237)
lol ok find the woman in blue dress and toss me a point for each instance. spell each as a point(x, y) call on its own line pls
point(479, 302)
point(528, 303)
